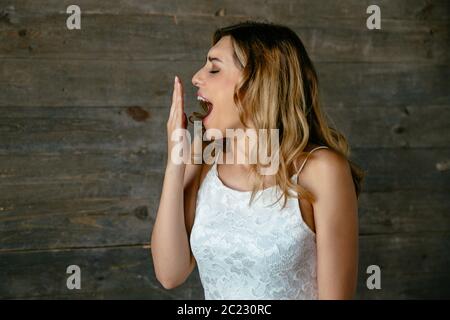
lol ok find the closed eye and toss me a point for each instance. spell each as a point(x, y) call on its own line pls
point(214, 71)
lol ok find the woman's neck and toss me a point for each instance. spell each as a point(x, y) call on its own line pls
point(236, 146)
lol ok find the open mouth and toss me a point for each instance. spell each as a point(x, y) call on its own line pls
point(206, 104)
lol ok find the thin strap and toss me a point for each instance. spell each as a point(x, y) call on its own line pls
point(304, 162)
point(216, 157)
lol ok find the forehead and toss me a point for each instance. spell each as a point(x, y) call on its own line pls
point(223, 49)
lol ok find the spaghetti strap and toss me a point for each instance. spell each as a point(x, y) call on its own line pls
point(216, 156)
point(304, 162)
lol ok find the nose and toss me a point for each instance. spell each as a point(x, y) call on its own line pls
point(196, 80)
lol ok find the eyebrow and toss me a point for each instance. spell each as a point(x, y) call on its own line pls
point(211, 59)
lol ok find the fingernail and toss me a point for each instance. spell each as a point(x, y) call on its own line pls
point(176, 79)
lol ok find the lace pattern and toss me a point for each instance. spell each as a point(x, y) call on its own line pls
point(251, 252)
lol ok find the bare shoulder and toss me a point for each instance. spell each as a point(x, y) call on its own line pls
point(327, 161)
point(322, 158)
point(325, 168)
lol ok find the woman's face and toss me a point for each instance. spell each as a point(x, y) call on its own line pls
point(216, 82)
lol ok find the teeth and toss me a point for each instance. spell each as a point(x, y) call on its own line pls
point(201, 99)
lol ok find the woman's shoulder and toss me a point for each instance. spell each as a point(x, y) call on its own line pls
point(321, 161)
point(325, 172)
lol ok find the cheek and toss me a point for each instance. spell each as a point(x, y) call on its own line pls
point(225, 102)
point(227, 91)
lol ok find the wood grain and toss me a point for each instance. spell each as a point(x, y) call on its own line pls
point(83, 135)
point(163, 37)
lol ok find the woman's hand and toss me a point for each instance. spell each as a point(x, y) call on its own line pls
point(172, 258)
point(177, 128)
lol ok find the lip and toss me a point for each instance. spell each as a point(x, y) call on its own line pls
point(210, 107)
point(202, 96)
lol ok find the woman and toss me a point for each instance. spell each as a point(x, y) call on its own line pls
point(259, 76)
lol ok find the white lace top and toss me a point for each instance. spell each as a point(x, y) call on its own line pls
point(256, 252)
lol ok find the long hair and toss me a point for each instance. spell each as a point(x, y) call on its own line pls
point(279, 90)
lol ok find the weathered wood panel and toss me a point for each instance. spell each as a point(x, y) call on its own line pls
point(80, 223)
point(95, 186)
point(161, 37)
point(78, 151)
point(83, 136)
point(64, 83)
point(386, 170)
point(52, 131)
point(288, 10)
point(421, 285)
point(413, 265)
point(403, 212)
point(126, 272)
point(142, 131)
point(377, 85)
point(106, 273)
point(90, 222)
point(390, 127)
point(404, 169)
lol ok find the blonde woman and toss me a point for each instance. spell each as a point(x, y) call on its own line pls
point(258, 76)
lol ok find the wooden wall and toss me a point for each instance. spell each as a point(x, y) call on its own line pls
point(83, 136)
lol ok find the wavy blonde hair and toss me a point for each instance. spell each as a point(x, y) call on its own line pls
point(279, 90)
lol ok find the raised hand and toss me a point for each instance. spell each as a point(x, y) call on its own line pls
point(177, 120)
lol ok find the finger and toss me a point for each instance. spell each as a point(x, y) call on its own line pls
point(175, 100)
point(177, 86)
point(181, 95)
point(174, 97)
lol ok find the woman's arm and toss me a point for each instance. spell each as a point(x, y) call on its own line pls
point(172, 258)
point(170, 248)
point(336, 222)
